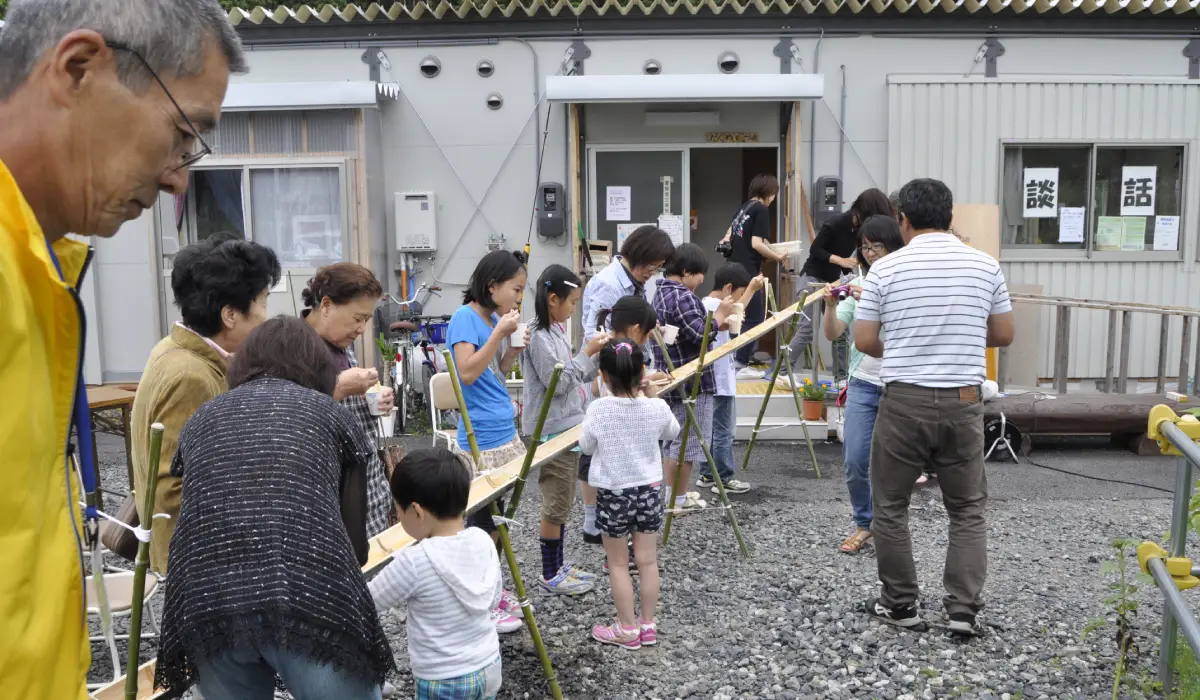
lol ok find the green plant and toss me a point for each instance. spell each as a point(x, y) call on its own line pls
point(811, 391)
point(1123, 606)
point(1187, 675)
point(384, 347)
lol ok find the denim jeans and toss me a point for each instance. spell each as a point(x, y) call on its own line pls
point(724, 418)
point(862, 405)
point(250, 675)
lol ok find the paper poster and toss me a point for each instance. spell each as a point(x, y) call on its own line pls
point(1041, 193)
point(623, 231)
point(1134, 237)
point(1109, 232)
point(673, 225)
point(1071, 224)
point(1138, 189)
point(1166, 233)
point(695, 220)
point(617, 203)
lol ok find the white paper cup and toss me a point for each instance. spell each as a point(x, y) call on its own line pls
point(517, 339)
point(669, 333)
point(373, 398)
point(735, 324)
point(739, 308)
point(387, 424)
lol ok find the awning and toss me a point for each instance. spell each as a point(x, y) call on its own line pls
point(316, 95)
point(736, 87)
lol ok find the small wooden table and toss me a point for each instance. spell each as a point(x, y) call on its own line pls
point(111, 398)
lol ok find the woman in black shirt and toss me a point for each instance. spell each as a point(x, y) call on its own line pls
point(749, 237)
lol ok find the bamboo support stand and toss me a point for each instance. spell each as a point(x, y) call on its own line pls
point(534, 443)
point(784, 359)
point(505, 542)
point(140, 567)
point(712, 464)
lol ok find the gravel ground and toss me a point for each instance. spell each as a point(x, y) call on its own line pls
point(784, 624)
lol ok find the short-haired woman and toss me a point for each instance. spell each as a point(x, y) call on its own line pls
point(221, 290)
point(749, 237)
point(265, 566)
point(642, 256)
point(339, 303)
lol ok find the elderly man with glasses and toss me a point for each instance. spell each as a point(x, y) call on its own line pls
point(102, 103)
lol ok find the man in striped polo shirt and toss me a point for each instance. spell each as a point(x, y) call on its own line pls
point(939, 304)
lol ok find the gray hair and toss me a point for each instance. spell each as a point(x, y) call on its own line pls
point(172, 35)
point(894, 200)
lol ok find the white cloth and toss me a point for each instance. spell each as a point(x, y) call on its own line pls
point(622, 436)
point(723, 372)
point(934, 297)
point(450, 585)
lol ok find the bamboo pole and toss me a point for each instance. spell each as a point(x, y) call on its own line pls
point(505, 542)
point(534, 443)
point(762, 411)
point(722, 495)
point(140, 566)
point(787, 353)
point(684, 440)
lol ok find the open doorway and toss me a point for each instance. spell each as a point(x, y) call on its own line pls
point(719, 178)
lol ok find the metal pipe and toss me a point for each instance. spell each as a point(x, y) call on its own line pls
point(1174, 600)
point(1196, 383)
point(1126, 338)
point(537, 89)
point(812, 129)
point(841, 151)
point(1184, 444)
point(1110, 355)
point(1178, 542)
point(1001, 368)
point(1160, 384)
point(1184, 360)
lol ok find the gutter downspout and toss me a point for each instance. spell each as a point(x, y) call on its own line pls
point(537, 84)
point(812, 114)
point(842, 135)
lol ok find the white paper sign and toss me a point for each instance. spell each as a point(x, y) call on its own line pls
point(1166, 233)
point(1040, 190)
point(618, 203)
point(1071, 224)
point(624, 231)
point(673, 225)
point(1138, 189)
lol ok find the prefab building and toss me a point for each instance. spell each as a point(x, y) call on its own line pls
point(419, 136)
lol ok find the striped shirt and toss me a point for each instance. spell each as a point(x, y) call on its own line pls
point(934, 297)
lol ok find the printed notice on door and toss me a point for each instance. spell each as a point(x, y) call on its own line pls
point(1138, 190)
point(1166, 233)
point(1071, 224)
point(673, 225)
point(618, 206)
point(1041, 193)
point(1110, 230)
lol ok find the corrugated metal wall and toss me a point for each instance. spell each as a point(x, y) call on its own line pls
point(952, 129)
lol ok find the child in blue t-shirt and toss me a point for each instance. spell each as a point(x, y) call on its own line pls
point(479, 336)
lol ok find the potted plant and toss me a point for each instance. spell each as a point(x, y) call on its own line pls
point(814, 400)
point(387, 354)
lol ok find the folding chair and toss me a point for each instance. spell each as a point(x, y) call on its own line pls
point(118, 583)
point(441, 398)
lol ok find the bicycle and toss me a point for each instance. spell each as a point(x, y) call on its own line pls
point(413, 340)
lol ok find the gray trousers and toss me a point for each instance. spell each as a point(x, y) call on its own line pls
point(810, 317)
point(942, 429)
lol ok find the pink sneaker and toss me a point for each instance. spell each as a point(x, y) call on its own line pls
point(505, 623)
point(618, 635)
point(649, 633)
point(510, 605)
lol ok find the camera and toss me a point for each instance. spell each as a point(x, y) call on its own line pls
point(725, 248)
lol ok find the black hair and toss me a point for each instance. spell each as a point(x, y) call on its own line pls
point(731, 273)
point(689, 260)
point(497, 267)
point(928, 204)
point(763, 186)
point(870, 202)
point(647, 245)
point(879, 229)
point(434, 478)
point(343, 283)
point(285, 347)
point(219, 272)
point(556, 280)
point(622, 362)
point(629, 311)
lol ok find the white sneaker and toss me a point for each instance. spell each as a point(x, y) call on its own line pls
point(733, 486)
point(389, 690)
point(750, 373)
point(692, 503)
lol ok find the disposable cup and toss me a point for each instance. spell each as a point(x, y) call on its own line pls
point(517, 339)
point(373, 396)
point(669, 333)
point(735, 324)
point(387, 424)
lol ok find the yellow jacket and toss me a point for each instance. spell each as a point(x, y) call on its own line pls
point(44, 653)
point(182, 373)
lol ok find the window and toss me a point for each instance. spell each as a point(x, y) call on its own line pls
point(298, 212)
point(1092, 198)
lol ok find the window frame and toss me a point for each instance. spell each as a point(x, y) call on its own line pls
point(249, 164)
point(1023, 253)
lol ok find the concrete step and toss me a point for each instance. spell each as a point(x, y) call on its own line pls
point(780, 429)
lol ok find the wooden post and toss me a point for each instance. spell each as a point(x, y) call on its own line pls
point(1160, 384)
point(576, 186)
point(1184, 360)
point(1126, 333)
point(1062, 349)
point(1114, 320)
point(1002, 369)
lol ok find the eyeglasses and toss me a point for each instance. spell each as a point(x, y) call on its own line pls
point(200, 149)
point(875, 247)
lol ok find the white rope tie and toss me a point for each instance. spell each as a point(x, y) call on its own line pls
point(506, 521)
point(141, 533)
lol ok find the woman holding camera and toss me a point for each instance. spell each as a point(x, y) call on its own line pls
point(880, 235)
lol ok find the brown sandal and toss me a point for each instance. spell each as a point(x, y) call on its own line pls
point(857, 541)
